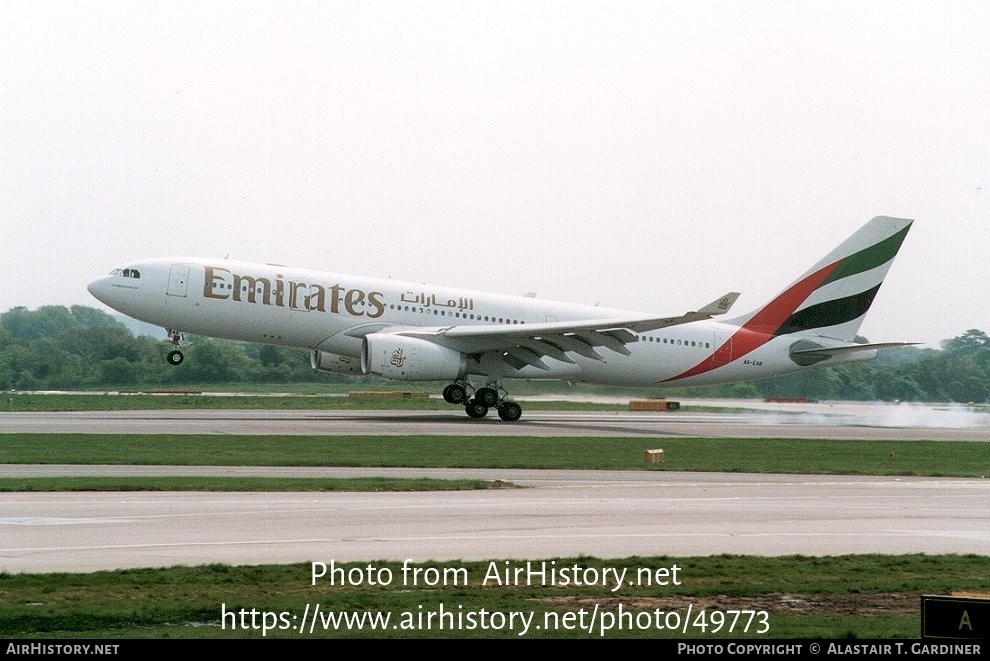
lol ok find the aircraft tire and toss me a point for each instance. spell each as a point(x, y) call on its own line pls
point(510, 411)
point(487, 396)
point(476, 409)
point(454, 394)
point(174, 357)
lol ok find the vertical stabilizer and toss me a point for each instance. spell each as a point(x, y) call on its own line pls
point(829, 300)
point(832, 297)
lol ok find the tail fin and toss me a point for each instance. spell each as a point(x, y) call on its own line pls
point(833, 296)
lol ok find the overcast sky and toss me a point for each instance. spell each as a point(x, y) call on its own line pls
point(644, 155)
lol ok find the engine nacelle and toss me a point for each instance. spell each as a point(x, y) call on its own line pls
point(334, 363)
point(411, 359)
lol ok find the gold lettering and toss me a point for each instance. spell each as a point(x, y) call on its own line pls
point(354, 297)
point(375, 299)
point(316, 299)
point(210, 281)
point(295, 295)
point(965, 620)
point(252, 286)
point(294, 288)
point(335, 298)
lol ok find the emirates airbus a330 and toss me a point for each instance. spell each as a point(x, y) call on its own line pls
point(415, 332)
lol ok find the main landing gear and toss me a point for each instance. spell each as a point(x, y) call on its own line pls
point(476, 405)
point(174, 357)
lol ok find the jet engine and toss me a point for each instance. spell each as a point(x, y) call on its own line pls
point(334, 363)
point(411, 359)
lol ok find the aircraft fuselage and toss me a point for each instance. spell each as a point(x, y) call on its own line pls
point(411, 331)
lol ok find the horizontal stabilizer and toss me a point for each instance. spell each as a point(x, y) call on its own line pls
point(828, 352)
point(806, 353)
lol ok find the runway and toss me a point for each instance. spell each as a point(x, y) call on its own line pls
point(555, 513)
point(846, 421)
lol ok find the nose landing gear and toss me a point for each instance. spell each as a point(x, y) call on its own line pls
point(174, 357)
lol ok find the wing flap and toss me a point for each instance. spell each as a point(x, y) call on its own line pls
point(578, 346)
point(544, 348)
point(526, 357)
point(599, 339)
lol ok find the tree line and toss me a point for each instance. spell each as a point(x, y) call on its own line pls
point(82, 348)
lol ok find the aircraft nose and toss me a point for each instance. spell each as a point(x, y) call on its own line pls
point(98, 288)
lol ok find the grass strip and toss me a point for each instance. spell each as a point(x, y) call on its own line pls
point(36, 402)
point(242, 484)
point(841, 457)
point(864, 596)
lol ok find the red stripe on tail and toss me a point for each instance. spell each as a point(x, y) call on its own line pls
point(761, 328)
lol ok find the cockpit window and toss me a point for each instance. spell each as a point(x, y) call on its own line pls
point(115, 272)
point(131, 273)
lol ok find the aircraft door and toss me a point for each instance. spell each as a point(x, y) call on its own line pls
point(723, 348)
point(178, 280)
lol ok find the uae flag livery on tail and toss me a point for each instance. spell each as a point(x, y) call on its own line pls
point(824, 308)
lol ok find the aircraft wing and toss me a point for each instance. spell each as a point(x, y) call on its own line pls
point(527, 344)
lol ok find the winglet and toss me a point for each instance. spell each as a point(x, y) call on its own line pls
point(720, 306)
point(716, 307)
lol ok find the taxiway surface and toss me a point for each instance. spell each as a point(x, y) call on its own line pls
point(558, 513)
point(613, 514)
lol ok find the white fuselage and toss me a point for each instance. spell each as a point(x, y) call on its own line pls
point(332, 313)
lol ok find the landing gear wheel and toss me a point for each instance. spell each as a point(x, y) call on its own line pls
point(174, 357)
point(454, 394)
point(476, 409)
point(486, 396)
point(510, 411)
